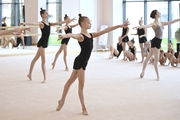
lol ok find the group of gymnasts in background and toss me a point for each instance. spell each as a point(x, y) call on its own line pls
point(85, 40)
point(170, 56)
point(9, 39)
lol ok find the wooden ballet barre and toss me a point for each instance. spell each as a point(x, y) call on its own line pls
point(31, 26)
point(52, 34)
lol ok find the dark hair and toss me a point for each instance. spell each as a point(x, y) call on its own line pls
point(161, 51)
point(65, 16)
point(81, 18)
point(170, 42)
point(153, 13)
point(4, 18)
point(42, 11)
point(133, 41)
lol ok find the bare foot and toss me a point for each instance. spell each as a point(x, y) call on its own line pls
point(29, 76)
point(60, 105)
point(53, 65)
point(158, 78)
point(141, 61)
point(110, 57)
point(84, 111)
point(44, 80)
point(142, 75)
point(66, 69)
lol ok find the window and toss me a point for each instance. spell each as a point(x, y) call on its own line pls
point(134, 16)
point(13, 11)
point(175, 26)
point(54, 8)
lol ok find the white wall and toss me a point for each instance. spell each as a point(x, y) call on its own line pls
point(32, 14)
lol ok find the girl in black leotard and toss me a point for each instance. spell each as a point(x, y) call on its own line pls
point(4, 39)
point(85, 41)
point(116, 52)
point(64, 42)
point(141, 32)
point(131, 53)
point(42, 43)
point(125, 37)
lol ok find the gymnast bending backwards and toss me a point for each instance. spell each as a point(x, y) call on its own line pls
point(156, 41)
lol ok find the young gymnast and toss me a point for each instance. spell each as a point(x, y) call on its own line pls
point(42, 43)
point(4, 39)
point(156, 41)
point(64, 42)
point(116, 52)
point(172, 56)
point(20, 39)
point(141, 32)
point(131, 53)
point(85, 41)
point(162, 57)
point(124, 36)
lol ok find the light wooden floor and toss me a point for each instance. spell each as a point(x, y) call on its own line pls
point(113, 89)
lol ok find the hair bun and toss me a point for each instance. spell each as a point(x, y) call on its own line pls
point(141, 18)
point(65, 15)
point(80, 15)
point(41, 8)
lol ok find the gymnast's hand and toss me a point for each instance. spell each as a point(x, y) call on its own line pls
point(74, 19)
point(60, 37)
point(126, 24)
point(19, 31)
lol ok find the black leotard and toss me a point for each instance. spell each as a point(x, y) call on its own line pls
point(141, 32)
point(86, 47)
point(66, 40)
point(132, 50)
point(18, 41)
point(119, 48)
point(43, 42)
point(126, 39)
point(4, 25)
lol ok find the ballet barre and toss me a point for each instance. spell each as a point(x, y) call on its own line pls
point(30, 26)
point(52, 34)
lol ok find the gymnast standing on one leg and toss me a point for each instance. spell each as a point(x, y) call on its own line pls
point(85, 41)
point(4, 39)
point(141, 32)
point(42, 43)
point(64, 42)
point(156, 41)
point(124, 36)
